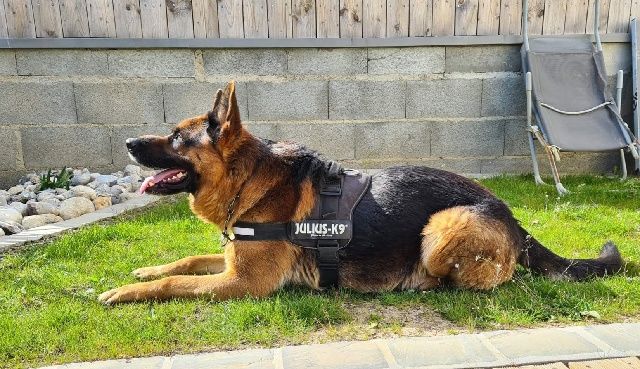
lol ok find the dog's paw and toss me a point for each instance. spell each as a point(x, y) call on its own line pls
point(147, 273)
point(111, 297)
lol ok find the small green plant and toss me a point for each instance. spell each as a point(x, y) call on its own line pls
point(53, 181)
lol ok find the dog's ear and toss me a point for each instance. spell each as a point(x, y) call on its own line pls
point(226, 112)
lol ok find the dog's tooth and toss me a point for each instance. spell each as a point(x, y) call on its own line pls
point(151, 184)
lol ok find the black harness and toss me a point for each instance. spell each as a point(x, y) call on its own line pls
point(328, 228)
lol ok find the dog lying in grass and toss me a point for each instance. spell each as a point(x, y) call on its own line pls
point(414, 227)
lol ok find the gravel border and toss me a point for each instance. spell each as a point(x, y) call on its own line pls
point(36, 234)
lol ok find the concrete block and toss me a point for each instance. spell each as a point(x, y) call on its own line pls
point(456, 165)
point(406, 60)
point(245, 359)
point(119, 102)
point(233, 62)
point(467, 138)
point(616, 56)
point(152, 63)
point(366, 99)
point(7, 62)
point(392, 140)
point(484, 58)
point(503, 96)
point(333, 140)
point(444, 98)
point(327, 61)
point(516, 141)
point(8, 150)
point(343, 355)
point(61, 62)
point(268, 130)
point(47, 147)
point(540, 343)
point(37, 102)
point(9, 178)
point(434, 351)
point(121, 133)
point(622, 337)
point(187, 99)
point(288, 100)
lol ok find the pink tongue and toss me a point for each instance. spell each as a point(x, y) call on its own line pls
point(158, 177)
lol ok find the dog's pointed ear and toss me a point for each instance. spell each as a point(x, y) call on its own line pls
point(225, 109)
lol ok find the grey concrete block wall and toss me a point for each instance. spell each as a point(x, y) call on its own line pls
point(7, 62)
point(366, 99)
point(132, 102)
point(458, 108)
point(36, 102)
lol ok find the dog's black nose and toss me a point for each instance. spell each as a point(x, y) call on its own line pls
point(132, 143)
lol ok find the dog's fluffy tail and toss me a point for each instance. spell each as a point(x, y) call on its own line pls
point(541, 260)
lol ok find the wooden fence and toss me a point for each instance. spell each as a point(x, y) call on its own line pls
point(303, 18)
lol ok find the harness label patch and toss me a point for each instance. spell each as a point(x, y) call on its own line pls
point(320, 230)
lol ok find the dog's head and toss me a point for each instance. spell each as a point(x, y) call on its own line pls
point(196, 150)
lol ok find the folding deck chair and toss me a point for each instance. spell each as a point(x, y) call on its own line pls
point(567, 93)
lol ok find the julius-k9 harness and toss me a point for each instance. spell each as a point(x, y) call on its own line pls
point(328, 228)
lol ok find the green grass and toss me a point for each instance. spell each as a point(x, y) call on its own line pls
point(49, 313)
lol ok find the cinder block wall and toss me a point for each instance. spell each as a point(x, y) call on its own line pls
point(459, 108)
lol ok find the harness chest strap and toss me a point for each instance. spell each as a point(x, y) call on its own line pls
point(328, 228)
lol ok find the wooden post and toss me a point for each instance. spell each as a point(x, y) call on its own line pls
point(74, 18)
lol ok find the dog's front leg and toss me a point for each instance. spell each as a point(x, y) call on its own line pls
point(201, 264)
point(220, 287)
point(252, 269)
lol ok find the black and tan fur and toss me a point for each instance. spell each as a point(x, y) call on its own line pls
point(417, 227)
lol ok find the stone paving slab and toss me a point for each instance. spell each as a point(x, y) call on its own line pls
point(36, 234)
point(498, 349)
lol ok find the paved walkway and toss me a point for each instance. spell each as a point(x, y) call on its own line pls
point(482, 350)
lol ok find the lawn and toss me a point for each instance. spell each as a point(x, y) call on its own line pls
point(49, 313)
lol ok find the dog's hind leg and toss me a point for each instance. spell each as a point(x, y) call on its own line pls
point(469, 246)
point(201, 264)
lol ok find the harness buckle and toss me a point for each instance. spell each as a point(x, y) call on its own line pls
point(332, 187)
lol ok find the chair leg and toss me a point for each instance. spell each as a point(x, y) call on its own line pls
point(534, 160)
point(556, 177)
point(623, 165)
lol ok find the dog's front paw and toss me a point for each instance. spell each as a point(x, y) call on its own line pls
point(118, 295)
point(147, 273)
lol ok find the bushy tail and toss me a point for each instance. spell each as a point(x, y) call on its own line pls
point(541, 260)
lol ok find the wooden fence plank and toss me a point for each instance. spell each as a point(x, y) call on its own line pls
point(420, 17)
point(255, 19)
point(127, 16)
point(230, 19)
point(180, 18)
point(328, 19)
point(304, 18)
point(205, 19)
point(46, 17)
point(398, 18)
point(619, 12)
point(535, 15)
point(19, 17)
point(100, 16)
point(73, 14)
point(350, 18)
point(510, 17)
point(280, 21)
point(635, 9)
point(488, 17)
point(466, 23)
point(444, 12)
point(554, 17)
point(604, 15)
point(3, 21)
point(153, 14)
point(576, 18)
point(374, 19)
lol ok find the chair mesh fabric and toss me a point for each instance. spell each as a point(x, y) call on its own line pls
point(569, 74)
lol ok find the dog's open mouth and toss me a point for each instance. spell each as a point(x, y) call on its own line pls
point(166, 182)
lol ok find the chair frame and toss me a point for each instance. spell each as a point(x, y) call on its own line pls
point(533, 131)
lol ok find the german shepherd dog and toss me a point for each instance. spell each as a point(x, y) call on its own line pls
point(415, 228)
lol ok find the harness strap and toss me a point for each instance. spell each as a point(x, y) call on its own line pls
point(330, 193)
